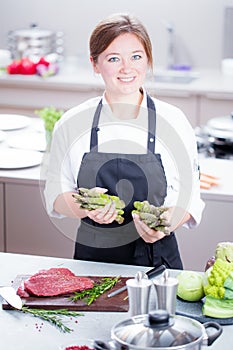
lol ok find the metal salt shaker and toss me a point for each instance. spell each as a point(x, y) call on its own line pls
point(166, 289)
point(139, 293)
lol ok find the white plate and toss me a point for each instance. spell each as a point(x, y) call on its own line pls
point(13, 121)
point(17, 159)
point(2, 136)
point(29, 140)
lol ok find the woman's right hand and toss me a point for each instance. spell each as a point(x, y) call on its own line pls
point(105, 215)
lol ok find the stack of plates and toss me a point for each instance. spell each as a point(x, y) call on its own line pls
point(24, 148)
point(13, 121)
point(18, 159)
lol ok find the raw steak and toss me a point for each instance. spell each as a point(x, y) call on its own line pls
point(55, 281)
point(22, 292)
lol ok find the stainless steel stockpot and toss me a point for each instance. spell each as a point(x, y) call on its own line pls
point(159, 330)
point(34, 41)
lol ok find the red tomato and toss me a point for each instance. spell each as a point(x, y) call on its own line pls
point(27, 66)
point(43, 61)
point(14, 67)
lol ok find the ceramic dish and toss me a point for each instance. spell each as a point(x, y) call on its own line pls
point(13, 121)
point(2, 136)
point(29, 140)
point(17, 159)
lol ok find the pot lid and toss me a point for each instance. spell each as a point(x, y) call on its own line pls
point(158, 329)
point(220, 127)
point(32, 32)
point(221, 123)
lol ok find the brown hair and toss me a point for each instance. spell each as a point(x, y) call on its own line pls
point(110, 28)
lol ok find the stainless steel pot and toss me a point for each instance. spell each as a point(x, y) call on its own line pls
point(159, 330)
point(220, 128)
point(34, 41)
point(216, 137)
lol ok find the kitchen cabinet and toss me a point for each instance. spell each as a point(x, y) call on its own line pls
point(186, 101)
point(29, 230)
point(198, 245)
point(2, 238)
point(25, 99)
point(214, 105)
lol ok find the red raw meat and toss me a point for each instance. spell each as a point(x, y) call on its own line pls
point(22, 292)
point(55, 271)
point(55, 281)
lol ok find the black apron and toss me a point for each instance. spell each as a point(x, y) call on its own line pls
point(132, 177)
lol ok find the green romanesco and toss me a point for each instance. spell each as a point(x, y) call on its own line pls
point(219, 280)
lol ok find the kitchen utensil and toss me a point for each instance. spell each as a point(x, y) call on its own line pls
point(138, 292)
point(150, 274)
point(9, 294)
point(35, 42)
point(159, 330)
point(217, 135)
point(166, 288)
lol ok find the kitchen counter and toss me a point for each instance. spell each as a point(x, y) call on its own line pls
point(75, 77)
point(23, 332)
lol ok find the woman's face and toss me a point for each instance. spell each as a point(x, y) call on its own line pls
point(123, 65)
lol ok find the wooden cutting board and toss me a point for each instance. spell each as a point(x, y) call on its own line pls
point(117, 303)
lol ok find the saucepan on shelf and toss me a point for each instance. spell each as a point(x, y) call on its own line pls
point(34, 41)
point(217, 137)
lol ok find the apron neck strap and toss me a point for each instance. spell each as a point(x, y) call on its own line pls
point(151, 126)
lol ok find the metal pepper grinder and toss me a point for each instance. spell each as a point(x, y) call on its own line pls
point(166, 289)
point(139, 293)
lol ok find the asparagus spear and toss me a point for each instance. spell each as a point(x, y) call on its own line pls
point(92, 199)
point(154, 217)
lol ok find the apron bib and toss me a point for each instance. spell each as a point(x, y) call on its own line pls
point(132, 177)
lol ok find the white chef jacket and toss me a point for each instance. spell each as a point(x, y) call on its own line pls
point(175, 142)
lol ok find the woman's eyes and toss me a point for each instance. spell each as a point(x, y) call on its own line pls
point(117, 59)
point(136, 57)
point(113, 59)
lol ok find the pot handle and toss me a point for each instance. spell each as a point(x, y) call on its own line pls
point(100, 345)
point(211, 338)
point(110, 345)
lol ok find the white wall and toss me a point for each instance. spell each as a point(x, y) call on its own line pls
point(199, 24)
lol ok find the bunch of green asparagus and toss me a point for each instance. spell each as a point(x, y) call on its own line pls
point(154, 217)
point(93, 199)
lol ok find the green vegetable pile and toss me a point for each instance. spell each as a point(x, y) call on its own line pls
point(219, 290)
point(224, 251)
point(50, 116)
point(93, 199)
point(216, 284)
point(154, 217)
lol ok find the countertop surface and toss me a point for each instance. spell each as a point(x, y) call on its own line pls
point(24, 332)
point(81, 77)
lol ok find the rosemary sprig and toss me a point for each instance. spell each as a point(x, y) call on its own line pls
point(90, 295)
point(52, 316)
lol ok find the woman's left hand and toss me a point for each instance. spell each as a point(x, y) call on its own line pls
point(148, 234)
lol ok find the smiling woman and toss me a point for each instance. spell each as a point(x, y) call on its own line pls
point(129, 145)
